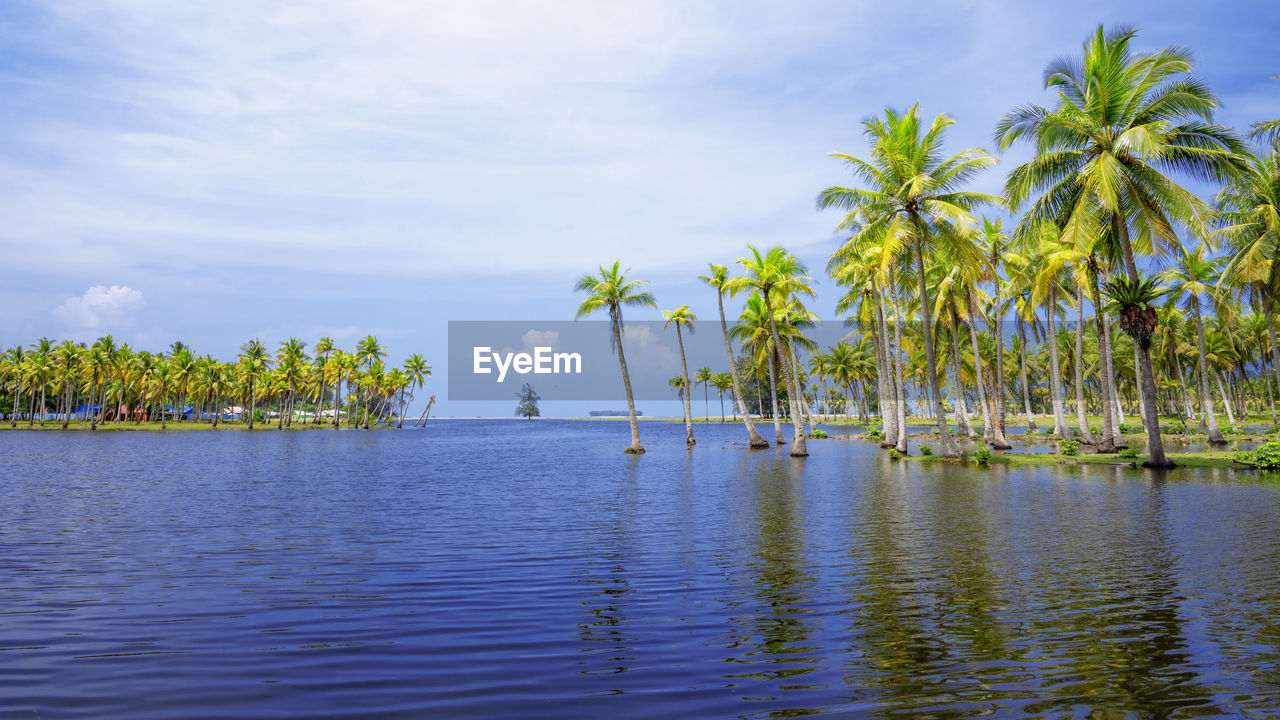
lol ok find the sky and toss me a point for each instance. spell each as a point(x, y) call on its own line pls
point(216, 172)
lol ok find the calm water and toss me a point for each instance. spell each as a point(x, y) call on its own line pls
point(515, 569)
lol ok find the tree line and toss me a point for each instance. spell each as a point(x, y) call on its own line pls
point(106, 381)
point(932, 284)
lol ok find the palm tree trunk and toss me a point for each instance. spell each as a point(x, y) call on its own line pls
point(1055, 374)
point(798, 448)
point(962, 408)
point(1112, 379)
point(252, 400)
point(1206, 399)
point(1111, 439)
point(1155, 444)
point(773, 391)
point(988, 427)
point(899, 384)
point(688, 411)
point(949, 447)
point(1083, 421)
point(1226, 400)
point(999, 440)
point(1022, 364)
point(884, 372)
point(635, 448)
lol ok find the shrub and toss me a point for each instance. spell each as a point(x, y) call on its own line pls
point(1069, 447)
point(1124, 428)
point(1048, 431)
point(1030, 431)
point(1267, 456)
point(1243, 456)
point(1129, 453)
point(1095, 430)
point(982, 455)
point(876, 433)
point(894, 454)
point(818, 434)
point(1235, 430)
point(926, 450)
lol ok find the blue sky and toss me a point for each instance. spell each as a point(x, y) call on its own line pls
point(216, 172)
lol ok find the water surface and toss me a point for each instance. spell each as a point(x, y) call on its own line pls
point(530, 569)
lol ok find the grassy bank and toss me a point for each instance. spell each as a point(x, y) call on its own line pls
point(1212, 459)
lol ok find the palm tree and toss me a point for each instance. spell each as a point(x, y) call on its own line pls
point(1121, 121)
point(704, 376)
point(779, 273)
point(1191, 279)
point(369, 352)
point(914, 202)
point(1249, 213)
point(254, 363)
point(324, 347)
point(718, 278)
point(418, 370)
point(682, 316)
point(723, 381)
point(610, 290)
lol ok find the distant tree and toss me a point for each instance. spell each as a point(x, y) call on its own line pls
point(527, 403)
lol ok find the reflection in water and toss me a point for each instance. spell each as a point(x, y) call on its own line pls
point(403, 575)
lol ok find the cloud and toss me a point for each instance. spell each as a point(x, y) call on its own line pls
point(101, 307)
point(541, 338)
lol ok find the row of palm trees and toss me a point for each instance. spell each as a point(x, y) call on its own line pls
point(924, 272)
point(108, 381)
point(722, 382)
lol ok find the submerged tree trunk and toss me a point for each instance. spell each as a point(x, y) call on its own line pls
point(798, 448)
point(999, 440)
point(900, 384)
point(884, 373)
point(635, 448)
point(688, 412)
point(988, 429)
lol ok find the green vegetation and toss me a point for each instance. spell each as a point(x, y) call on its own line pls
point(107, 384)
point(527, 402)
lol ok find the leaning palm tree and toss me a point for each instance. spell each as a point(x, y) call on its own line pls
point(418, 370)
point(779, 275)
point(1122, 120)
point(913, 203)
point(682, 316)
point(718, 278)
point(610, 289)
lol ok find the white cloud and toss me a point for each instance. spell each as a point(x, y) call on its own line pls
point(541, 338)
point(100, 307)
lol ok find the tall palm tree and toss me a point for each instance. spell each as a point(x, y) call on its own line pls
point(369, 352)
point(779, 274)
point(1249, 213)
point(1121, 121)
point(723, 381)
point(609, 289)
point(704, 376)
point(913, 202)
point(682, 316)
point(718, 278)
point(254, 362)
point(1191, 280)
point(418, 370)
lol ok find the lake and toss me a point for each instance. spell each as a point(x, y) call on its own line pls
point(493, 569)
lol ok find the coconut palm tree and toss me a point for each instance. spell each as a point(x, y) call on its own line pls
point(718, 278)
point(778, 274)
point(914, 202)
point(704, 376)
point(682, 316)
point(254, 363)
point(418, 370)
point(609, 289)
point(1122, 120)
point(1190, 280)
point(723, 382)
